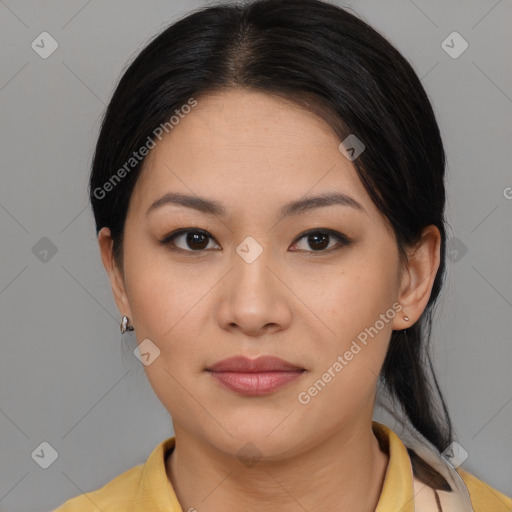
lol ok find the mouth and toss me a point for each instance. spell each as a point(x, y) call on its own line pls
point(254, 377)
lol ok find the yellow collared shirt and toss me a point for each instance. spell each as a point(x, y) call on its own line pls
point(146, 488)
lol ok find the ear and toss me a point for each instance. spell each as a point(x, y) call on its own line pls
point(418, 276)
point(115, 274)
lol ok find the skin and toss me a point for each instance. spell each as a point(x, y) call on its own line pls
point(254, 152)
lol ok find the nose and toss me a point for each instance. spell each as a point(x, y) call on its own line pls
point(254, 298)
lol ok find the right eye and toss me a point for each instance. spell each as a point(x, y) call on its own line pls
point(191, 240)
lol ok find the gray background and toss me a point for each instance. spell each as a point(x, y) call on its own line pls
point(67, 378)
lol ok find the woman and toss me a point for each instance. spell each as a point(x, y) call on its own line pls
point(269, 200)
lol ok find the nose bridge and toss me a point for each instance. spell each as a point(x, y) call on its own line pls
point(253, 298)
point(251, 261)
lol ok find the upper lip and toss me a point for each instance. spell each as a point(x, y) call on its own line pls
point(260, 364)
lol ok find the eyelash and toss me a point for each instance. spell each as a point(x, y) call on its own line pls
point(342, 240)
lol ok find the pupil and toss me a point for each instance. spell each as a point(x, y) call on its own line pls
point(315, 236)
point(195, 238)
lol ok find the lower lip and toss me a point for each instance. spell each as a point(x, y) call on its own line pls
point(256, 383)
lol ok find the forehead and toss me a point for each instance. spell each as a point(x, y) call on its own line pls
point(248, 147)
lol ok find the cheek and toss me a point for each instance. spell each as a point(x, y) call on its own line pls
point(172, 318)
point(166, 305)
point(349, 361)
point(356, 296)
point(163, 294)
point(357, 305)
point(168, 308)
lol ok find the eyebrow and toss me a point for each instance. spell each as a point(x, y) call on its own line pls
point(292, 208)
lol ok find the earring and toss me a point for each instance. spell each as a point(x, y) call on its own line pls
point(125, 325)
point(406, 318)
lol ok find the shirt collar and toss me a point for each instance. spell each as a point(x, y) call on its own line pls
point(156, 494)
point(398, 489)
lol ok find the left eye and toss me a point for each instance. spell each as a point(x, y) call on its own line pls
point(319, 240)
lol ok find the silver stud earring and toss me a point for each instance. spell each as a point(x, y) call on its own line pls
point(125, 325)
point(406, 318)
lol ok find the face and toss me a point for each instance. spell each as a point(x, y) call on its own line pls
point(318, 287)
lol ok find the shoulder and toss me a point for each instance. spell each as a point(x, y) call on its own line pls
point(117, 495)
point(483, 497)
point(135, 489)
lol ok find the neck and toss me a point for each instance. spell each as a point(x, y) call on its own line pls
point(208, 480)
